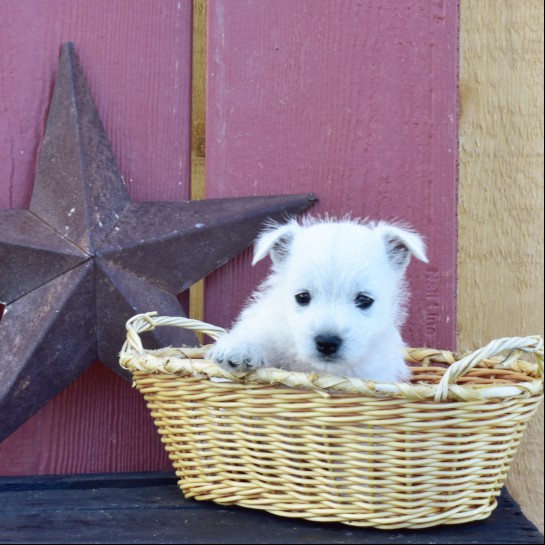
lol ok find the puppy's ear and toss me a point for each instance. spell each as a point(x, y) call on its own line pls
point(401, 244)
point(275, 241)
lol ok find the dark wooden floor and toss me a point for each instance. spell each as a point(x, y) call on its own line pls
point(149, 508)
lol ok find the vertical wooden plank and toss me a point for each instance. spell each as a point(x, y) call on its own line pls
point(500, 264)
point(356, 101)
point(198, 137)
point(198, 100)
point(137, 61)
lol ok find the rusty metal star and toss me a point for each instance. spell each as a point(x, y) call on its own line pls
point(84, 258)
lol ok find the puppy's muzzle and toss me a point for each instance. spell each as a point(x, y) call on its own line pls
point(328, 345)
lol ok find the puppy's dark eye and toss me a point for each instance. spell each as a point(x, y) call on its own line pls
point(303, 298)
point(363, 301)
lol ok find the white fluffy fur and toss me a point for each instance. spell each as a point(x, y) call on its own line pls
point(334, 262)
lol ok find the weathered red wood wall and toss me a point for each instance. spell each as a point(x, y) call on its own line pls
point(356, 101)
point(136, 57)
point(353, 100)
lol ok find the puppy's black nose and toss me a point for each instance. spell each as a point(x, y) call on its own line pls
point(328, 344)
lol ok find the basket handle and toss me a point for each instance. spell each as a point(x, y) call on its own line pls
point(516, 345)
point(148, 321)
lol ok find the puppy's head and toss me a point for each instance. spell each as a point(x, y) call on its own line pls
point(339, 285)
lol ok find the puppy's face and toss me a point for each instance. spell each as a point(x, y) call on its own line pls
point(340, 288)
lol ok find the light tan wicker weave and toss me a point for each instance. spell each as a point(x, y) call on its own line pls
point(324, 448)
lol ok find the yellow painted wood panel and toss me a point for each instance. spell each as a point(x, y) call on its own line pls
point(500, 268)
point(198, 131)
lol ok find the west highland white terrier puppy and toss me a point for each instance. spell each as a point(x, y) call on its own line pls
point(333, 303)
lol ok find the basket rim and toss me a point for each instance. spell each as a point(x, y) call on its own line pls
point(191, 362)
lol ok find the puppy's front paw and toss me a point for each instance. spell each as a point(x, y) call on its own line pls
point(234, 355)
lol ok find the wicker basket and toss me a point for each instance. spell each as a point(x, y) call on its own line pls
point(324, 448)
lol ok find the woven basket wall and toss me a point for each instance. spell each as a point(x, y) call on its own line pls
point(433, 451)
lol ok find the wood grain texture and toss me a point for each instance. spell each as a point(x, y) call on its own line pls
point(355, 101)
point(150, 508)
point(136, 57)
point(500, 282)
point(96, 424)
point(198, 100)
point(198, 133)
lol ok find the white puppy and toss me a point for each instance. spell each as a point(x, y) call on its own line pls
point(333, 303)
